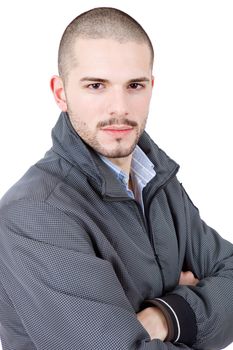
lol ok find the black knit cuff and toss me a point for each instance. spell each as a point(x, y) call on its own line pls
point(180, 318)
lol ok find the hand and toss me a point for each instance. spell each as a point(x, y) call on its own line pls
point(154, 322)
point(152, 318)
point(187, 279)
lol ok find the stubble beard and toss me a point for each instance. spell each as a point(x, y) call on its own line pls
point(92, 139)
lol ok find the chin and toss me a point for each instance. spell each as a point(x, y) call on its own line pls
point(117, 153)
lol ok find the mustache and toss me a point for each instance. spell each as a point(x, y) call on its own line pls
point(116, 121)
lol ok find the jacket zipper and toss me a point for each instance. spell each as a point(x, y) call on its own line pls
point(145, 220)
point(150, 236)
point(142, 217)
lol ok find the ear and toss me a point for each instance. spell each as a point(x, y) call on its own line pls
point(57, 87)
point(153, 81)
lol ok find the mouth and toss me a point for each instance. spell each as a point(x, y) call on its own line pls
point(117, 129)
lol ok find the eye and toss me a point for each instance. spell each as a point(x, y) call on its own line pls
point(136, 86)
point(95, 86)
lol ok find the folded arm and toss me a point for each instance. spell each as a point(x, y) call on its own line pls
point(201, 315)
point(65, 299)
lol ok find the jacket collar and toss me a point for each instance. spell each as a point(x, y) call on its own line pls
point(68, 144)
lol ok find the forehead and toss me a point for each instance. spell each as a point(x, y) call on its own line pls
point(108, 56)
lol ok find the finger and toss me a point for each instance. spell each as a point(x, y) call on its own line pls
point(187, 278)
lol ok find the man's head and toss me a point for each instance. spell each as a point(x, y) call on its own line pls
point(105, 65)
point(99, 23)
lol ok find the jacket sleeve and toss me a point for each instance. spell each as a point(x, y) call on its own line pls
point(202, 314)
point(65, 296)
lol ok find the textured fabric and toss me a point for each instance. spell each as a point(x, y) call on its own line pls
point(141, 172)
point(180, 319)
point(120, 174)
point(78, 258)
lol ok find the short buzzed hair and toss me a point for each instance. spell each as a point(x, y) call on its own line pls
point(99, 23)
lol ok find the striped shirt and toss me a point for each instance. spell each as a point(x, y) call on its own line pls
point(141, 172)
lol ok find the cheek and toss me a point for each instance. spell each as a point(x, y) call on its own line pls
point(90, 103)
point(85, 109)
point(139, 105)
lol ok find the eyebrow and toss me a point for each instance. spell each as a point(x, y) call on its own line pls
point(136, 80)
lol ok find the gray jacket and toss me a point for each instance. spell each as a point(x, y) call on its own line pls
point(78, 259)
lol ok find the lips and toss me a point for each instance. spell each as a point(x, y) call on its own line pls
point(117, 128)
point(117, 131)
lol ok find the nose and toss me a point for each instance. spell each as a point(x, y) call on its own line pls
point(117, 103)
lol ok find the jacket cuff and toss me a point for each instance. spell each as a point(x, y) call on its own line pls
point(181, 320)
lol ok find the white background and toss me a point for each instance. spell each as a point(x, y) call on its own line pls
point(191, 110)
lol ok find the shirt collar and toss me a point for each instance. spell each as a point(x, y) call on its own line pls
point(121, 175)
point(141, 167)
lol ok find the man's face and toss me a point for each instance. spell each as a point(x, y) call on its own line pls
point(108, 94)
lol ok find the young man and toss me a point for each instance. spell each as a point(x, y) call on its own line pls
point(101, 247)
